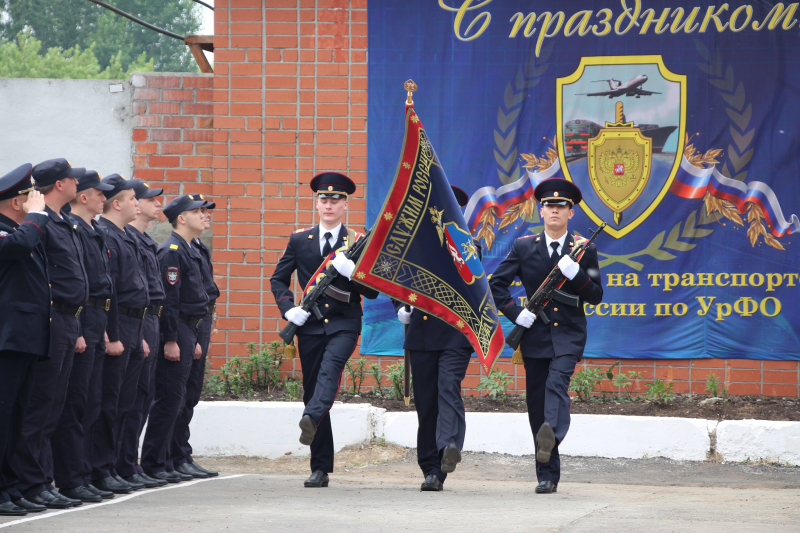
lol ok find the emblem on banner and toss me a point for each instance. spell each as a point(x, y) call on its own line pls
point(463, 252)
point(626, 165)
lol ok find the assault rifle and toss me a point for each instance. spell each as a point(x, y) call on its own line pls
point(550, 290)
point(324, 288)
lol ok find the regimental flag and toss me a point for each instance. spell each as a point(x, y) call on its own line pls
point(421, 251)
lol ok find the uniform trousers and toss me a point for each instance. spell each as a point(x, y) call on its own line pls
point(547, 396)
point(17, 371)
point(68, 443)
point(180, 451)
point(440, 409)
point(32, 457)
point(94, 401)
point(170, 396)
point(128, 459)
point(120, 377)
point(323, 358)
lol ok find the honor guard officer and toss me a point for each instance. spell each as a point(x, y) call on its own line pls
point(58, 182)
point(185, 307)
point(551, 351)
point(24, 319)
point(71, 441)
point(180, 452)
point(439, 355)
point(125, 329)
point(324, 345)
point(127, 466)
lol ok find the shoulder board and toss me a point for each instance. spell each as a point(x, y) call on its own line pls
point(74, 226)
point(303, 230)
point(173, 246)
point(527, 236)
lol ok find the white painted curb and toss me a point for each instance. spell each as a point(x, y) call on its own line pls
point(739, 440)
point(269, 429)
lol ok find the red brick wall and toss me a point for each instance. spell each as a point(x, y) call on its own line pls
point(289, 100)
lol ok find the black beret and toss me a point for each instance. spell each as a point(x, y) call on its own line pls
point(50, 171)
point(91, 180)
point(557, 191)
point(332, 185)
point(184, 202)
point(17, 182)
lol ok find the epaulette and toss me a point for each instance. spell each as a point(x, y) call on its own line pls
point(173, 246)
point(527, 236)
point(303, 230)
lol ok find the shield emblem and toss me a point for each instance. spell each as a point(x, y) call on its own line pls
point(172, 275)
point(463, 252)
point(623, 157)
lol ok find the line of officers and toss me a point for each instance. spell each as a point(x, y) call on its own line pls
point(101, 330)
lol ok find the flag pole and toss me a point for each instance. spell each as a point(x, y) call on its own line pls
point(410, 88)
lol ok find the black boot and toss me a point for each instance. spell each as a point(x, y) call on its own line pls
point(431, 484)
point(317, 479)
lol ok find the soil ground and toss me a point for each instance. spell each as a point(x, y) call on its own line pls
point(683, 405)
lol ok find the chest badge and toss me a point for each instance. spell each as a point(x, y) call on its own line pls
point(172, 275)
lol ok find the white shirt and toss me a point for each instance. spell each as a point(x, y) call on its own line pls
point(560, 241)
point(334, 235)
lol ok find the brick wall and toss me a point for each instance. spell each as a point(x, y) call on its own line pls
point(289, 100)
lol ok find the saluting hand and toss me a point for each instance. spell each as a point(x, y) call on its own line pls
point(35, 202)
point(172, 351)
point(80, 345)
point(198, 351)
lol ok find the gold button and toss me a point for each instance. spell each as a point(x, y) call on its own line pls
point(51, 302)
point(555, 310)
point(49, 285)
point(425, 318)
point(555, 323)
point(326, 320)
point(326, 305)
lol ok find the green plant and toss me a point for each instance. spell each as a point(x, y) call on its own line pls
point(375, 370)
point(265, 364)
point(357, 372)
point(292, 389)
point(659, 391)
point(496, 384)
point(623, 382)
point(714, 388)
point(585, 381)
point(396, 375)
point(212, 383)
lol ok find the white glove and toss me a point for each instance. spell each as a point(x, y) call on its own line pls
point(404, 316)
point(344, 265)
point(568, 267)
point(297, 316)
point(525, 319)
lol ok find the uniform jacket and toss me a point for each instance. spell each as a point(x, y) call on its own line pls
point(208, 271)
point(95, 257)
point(65, 260)
point(24, 286)
point(184, 292)
point(530, 261)
point(152, 273)
point(130, 286)
point(303, 255)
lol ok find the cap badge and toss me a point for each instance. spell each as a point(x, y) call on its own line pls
point(555, 193)
point(330, 187)
point(145, 184)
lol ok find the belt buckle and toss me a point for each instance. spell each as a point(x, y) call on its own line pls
point(108, 304)
point(78, 312)
point(160, 307)
point(213, 309)
point(197, 322)
point(144, 313)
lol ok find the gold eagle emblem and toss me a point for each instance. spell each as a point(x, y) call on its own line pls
point(619, 166)
point(437, 220)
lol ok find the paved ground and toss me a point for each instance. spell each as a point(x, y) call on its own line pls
point(377, 489)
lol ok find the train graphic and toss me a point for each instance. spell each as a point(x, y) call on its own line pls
point(578, 132)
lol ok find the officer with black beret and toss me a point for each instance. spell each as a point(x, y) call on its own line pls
point(550, 351)
point(127, 465)
point(57, 180)
point(324, 345)
point(71, 440)
point(185, 307)
point(180, 452)
point(24, 319)
point(439, 355)
point(125, 348)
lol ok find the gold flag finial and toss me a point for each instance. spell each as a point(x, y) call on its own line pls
point(411, 87)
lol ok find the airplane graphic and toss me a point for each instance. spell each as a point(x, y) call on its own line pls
point(631, 88)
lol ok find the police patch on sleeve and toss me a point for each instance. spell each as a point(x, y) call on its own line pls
point(172, 275)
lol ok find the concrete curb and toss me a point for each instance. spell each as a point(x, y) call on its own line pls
point(269, 429)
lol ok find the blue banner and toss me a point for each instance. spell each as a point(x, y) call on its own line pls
point(677, 120)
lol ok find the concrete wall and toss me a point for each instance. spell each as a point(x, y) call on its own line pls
point(81, 120)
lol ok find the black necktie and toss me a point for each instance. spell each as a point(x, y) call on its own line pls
point(554, 256)
point(326, 250)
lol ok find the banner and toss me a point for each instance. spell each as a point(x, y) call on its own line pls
point(678, 120)
point(421, 252)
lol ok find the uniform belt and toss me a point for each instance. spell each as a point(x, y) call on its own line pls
point(337, 294)
point(212, 308)
point(155, 309)
point(74, 310)
point(99, 303)
point(192, 321)
point(135, 313)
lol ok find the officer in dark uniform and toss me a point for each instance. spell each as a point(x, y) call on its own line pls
point(550, 352)
point(127, 465)
point(180, 453)
point(185, 307)
point(71, 469)
point(125, 330)
point(324, 345)
point(58, 182)
point(439, 356)
point(24, 319)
